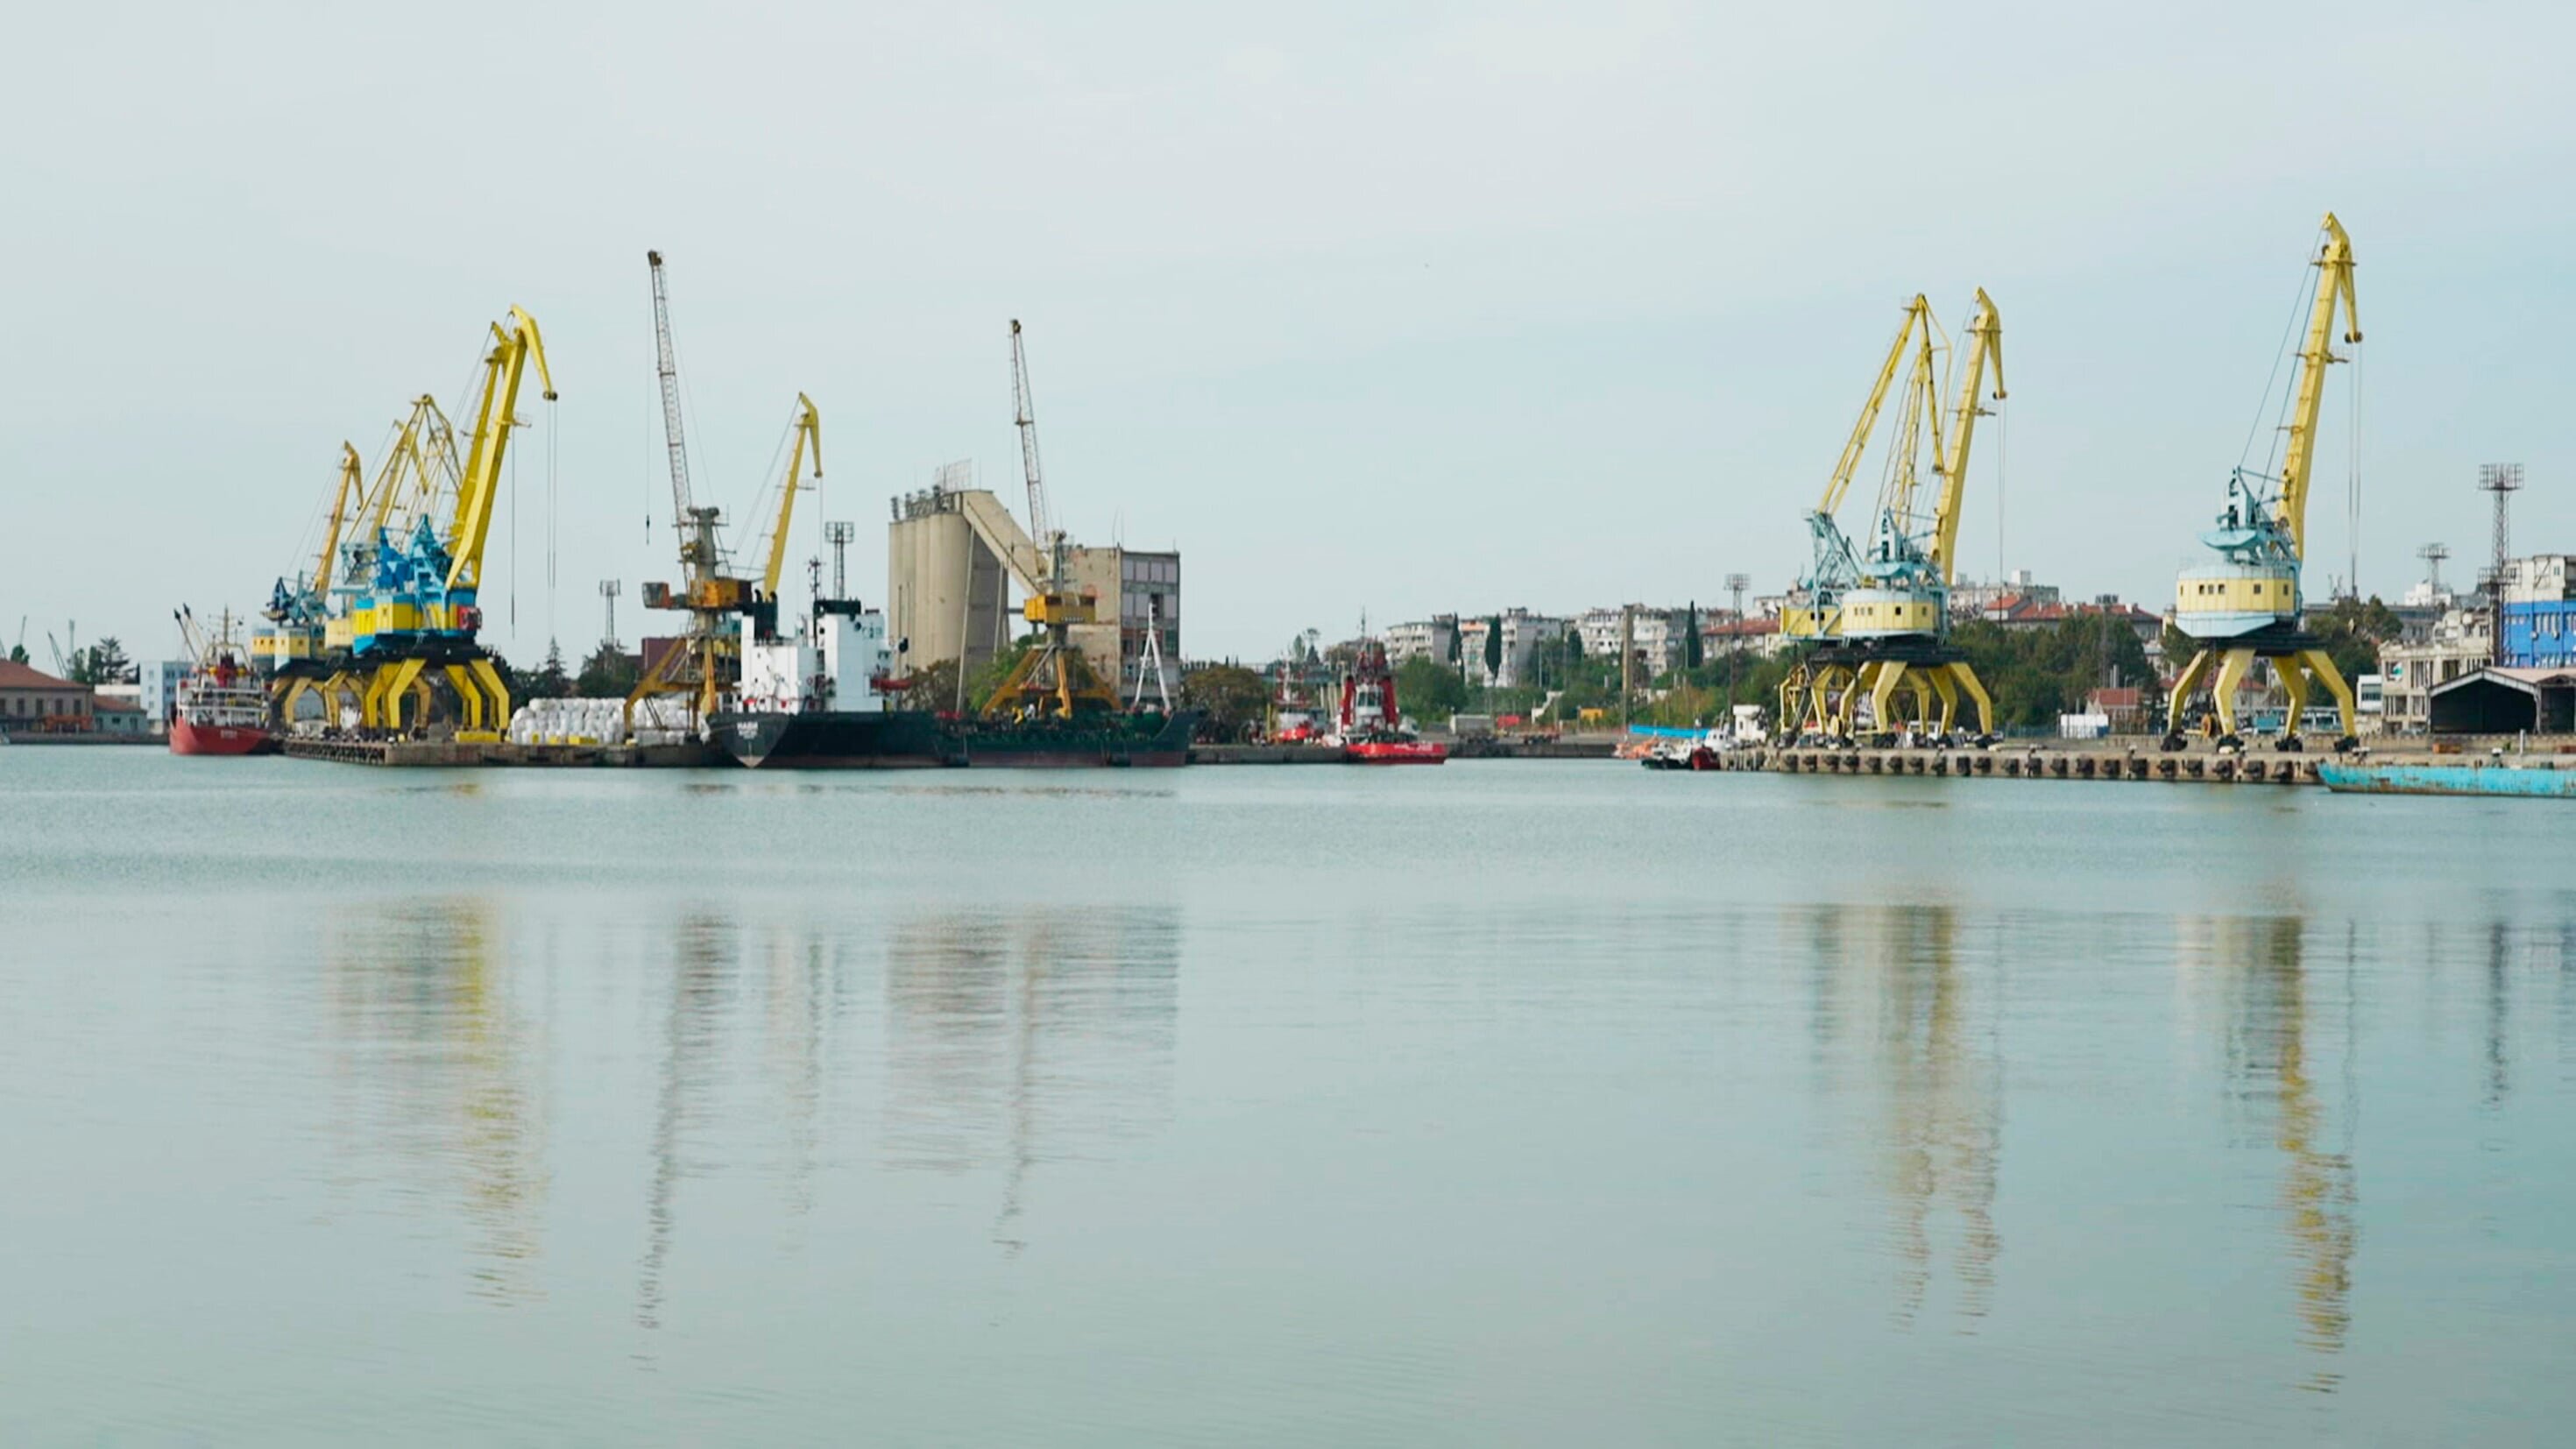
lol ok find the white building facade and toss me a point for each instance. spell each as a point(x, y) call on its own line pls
point(1523, 634)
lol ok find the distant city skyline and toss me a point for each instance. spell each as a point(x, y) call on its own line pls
point(1368, 312)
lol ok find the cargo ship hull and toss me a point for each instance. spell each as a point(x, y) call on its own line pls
point(189, 738)
point(2493, 781)
point(1129, 741)
point(833, 739)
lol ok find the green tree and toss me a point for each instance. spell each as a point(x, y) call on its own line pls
point(550, 680)
point(2037, 674)
point(933, 687)
point(1234, 701)
point(609, 673)
point(1573, 649)
point(17, 653)
point(103, 663)
point(981, 684)
point(2353, 632)
point(1428, 690)
point(1493, 649)
point(1691, 648)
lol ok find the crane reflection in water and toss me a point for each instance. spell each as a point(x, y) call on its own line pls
point(1016, 1037)
point(1892, 1006)
point(2272, 1026)
point(440, 1067)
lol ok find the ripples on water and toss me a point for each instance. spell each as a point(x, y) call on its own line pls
point(1512, 1103)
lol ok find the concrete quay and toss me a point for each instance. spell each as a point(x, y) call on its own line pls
point(2035, 764)
point(457, 754)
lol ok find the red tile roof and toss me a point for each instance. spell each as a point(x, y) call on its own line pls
point(14, 675)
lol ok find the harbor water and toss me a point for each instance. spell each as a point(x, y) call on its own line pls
point(1507, 1102)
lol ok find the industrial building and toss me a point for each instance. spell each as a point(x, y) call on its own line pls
point(953, 555)
point(32, 701)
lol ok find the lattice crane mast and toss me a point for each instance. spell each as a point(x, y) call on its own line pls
point(1052, 680)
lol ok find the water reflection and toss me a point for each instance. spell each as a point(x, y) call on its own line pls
point(1028, 1036)
point(1932, 1062)
point(444, 1072)
point(705, 960)
point(2271, 1055)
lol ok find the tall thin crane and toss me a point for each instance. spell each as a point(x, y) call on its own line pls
point(704, 665)
point(1052, 680)
point(2246, 605)
point(700, 555)
point(1025, 417)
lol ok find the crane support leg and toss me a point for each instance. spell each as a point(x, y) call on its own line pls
point(1829, 679)
point(2222, 693)
point(2323, 666)
point(469, 698)
point(1946, 686)
point(1847, 706)
point(1793, 696)
point(295, 690)
point(400, 678)
point(2185, 684)
point(2294, 683)
point(371, 700)
point(1967, 678)
point(497, 693)
point(1882, 695)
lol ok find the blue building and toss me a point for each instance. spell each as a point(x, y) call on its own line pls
point(2540, 634)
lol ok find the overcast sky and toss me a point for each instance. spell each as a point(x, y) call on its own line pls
point(1365, 307)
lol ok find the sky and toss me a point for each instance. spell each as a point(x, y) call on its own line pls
point(1373, 311)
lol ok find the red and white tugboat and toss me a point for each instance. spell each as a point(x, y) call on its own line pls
point(221, 709)
point(1371, 728)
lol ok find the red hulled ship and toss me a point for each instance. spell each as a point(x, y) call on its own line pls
point(1371, 728)
point(221, 709)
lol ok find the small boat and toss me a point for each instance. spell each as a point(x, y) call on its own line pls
point(1394, 749)
point(221, 708)
point(2528, 782)
point(1372, 728)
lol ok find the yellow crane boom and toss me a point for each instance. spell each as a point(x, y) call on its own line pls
point(1918, 313)
point(495, 414)
point(1985, 344)
point(809, 439)
point(2334, 260)
point(352, 479)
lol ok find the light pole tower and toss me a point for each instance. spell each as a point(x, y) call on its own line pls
point(839, 534)
point(2432, 554)
point(1735, 585)
point(609, 589)
point(2503, 480)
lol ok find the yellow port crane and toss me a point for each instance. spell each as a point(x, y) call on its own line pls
point(1897, 621)
point(2246, 605)
point(704, 664)
point(296, 607)
point(421, 606)
point(1052, 680)
point(1878, 622)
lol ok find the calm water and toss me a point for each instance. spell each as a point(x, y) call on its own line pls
point(1528, 1103)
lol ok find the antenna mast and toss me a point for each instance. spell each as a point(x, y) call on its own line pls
point(2503, 480)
